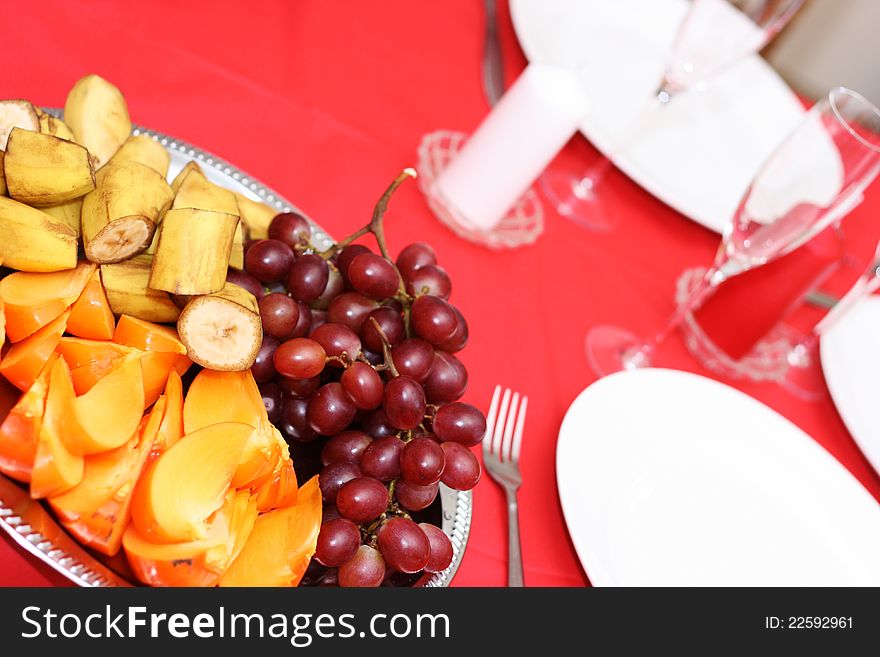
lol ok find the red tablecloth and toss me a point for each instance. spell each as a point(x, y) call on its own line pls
point(326, 102)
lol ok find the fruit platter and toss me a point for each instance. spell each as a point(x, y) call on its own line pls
point(199, 387)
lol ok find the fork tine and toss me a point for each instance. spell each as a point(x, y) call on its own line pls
point(490, 420)
point(499, 424)
point(518, 433)
point(508, 429)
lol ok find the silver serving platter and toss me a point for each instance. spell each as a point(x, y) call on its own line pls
point(33, 528)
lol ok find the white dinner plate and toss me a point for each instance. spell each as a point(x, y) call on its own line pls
point(850, 353)
point(698, 153)
point(671, 479)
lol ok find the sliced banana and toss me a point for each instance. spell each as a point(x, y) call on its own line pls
point(222, 331)
point(16, 114)
point(120, 240)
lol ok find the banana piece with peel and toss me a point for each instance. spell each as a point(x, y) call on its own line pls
point(255, 216)
point(222, 331)
point(128, 292)
point(196, 191)
point(146, 150)
point(17, 114)
point(178, 267)
point(49, 125)
point(97, 115)
point(119, 216)
point(31, 240)
point(41, 169)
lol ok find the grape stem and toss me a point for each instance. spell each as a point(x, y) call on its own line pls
point(376, 225)
point(386, 349)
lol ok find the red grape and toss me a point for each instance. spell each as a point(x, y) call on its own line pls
point(351, 309)
point(404, 402)
point(413, 357)
point(335, 286)
point(294, 420)
point(299, 387)
point(263, 368)
point(391, 323)
point(245, 280)
point(430, 279)
point(329, 512)
point(365, 569)
point(300, 358)
point(414, 256)
point(291, 228)
point(337, 340)
point(414, 497)
point(373, 276)
point(280, 315)
point(308, 277)
point(272, 399)
point(304, 325)
point(422, 461)
point(440, 548)
point(377, 425)
point(403, 545)
point(459, 338)
point(330, 410)
point(364, 385)
point(447, 380)
point(268, 260)
point(347, 446)
point(433, 319)
point(337, 542)
point(460, 423)
point(462, 469)
point(362, 499)
point(334, 476)
point(348, 254)
point(381, 459)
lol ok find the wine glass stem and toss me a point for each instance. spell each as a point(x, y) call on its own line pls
point(641, 356)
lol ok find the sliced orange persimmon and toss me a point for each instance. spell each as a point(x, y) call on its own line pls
point(97, 510)
point(171, 428)
point(33, 300)
point(108, 415)
point(141, 334)
point(56, 469)
point(20, 431)
point(91, 316)
point(280, 487)
point(216, 396)
point(280, 545)
point(194, 563)
point(187, 563)
point(180, 490)
point(91, 360)
point(25, 359)
point(156, 366)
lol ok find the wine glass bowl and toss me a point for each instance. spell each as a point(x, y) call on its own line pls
point(813, 178)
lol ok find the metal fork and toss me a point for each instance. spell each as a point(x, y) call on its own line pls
point(501, 448)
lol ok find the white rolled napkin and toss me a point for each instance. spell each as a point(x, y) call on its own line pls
point(513, 145)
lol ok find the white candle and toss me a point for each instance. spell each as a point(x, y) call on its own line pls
point(513, 144)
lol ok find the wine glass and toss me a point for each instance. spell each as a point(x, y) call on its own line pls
point(817, 173)
point(713, 35)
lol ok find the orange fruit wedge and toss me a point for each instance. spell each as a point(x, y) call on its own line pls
point(25, 359)
point(194, 563)
point(108, 415)
point(91, 316)
point(281, 544)
point(56, 469)
point(20, 430)
point(32, 300)
point(141, 334)
point(97, 510)
point(180, 490)
point(171, 429)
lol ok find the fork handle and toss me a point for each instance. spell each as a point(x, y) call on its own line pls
point(514, 550)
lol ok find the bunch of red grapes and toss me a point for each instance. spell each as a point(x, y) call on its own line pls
point(358, 353)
